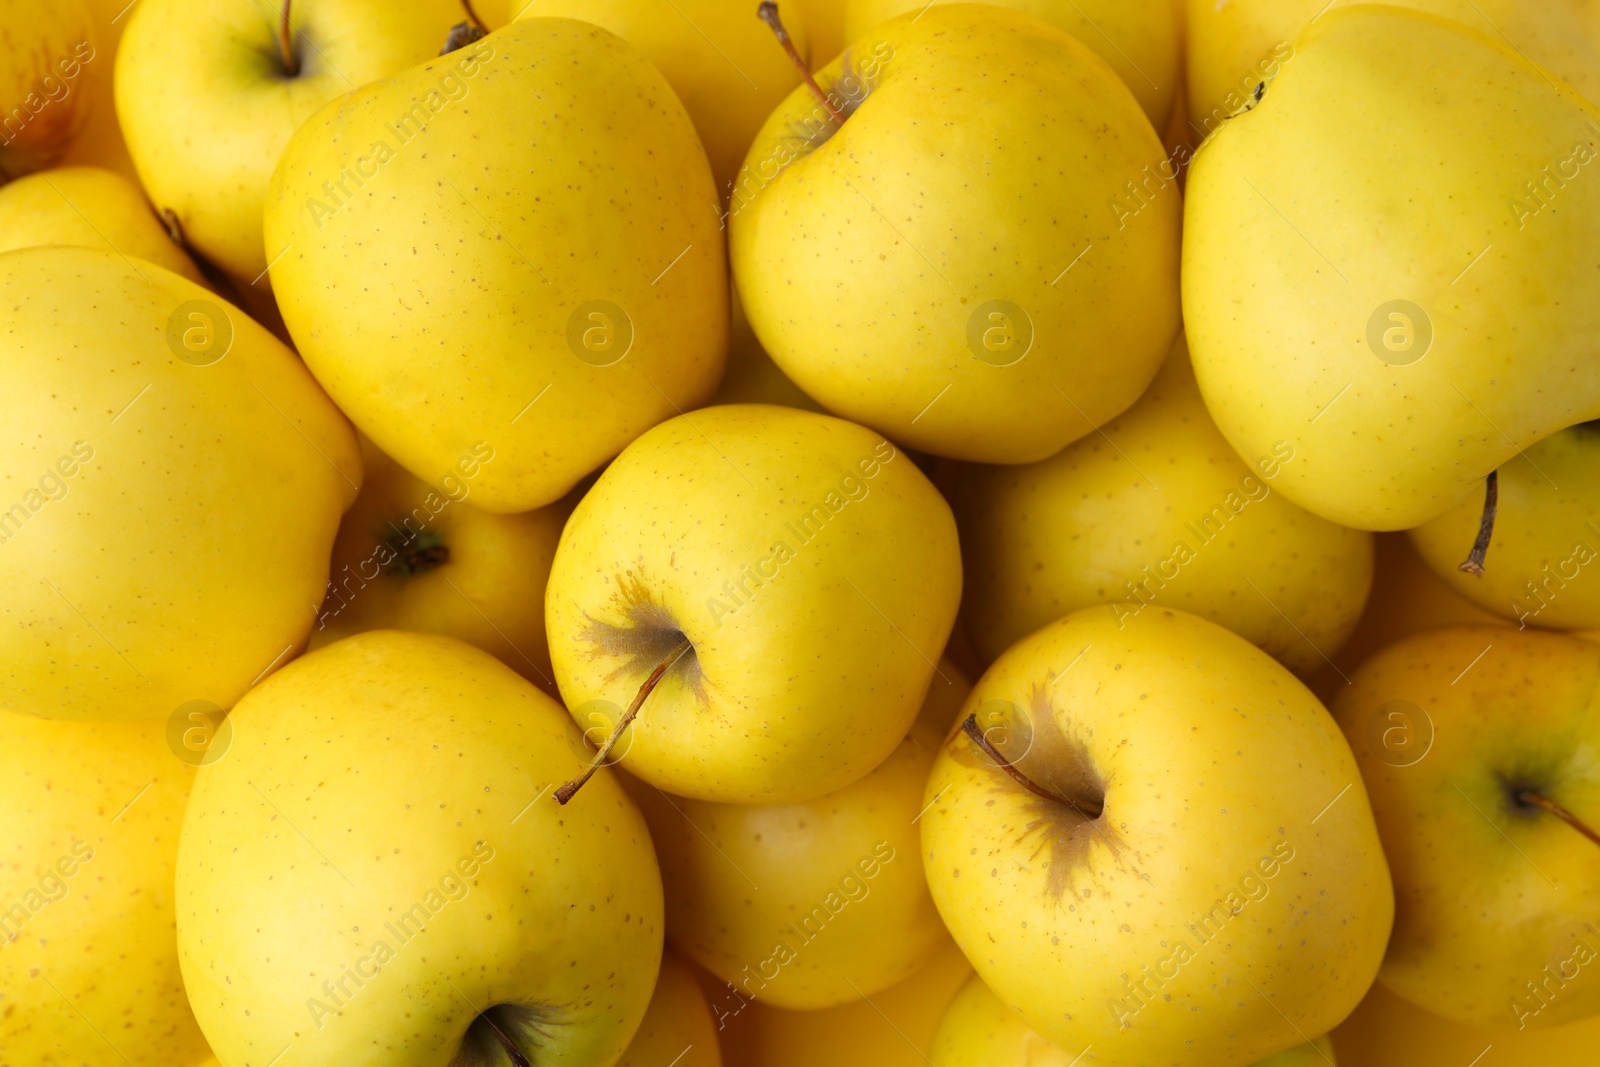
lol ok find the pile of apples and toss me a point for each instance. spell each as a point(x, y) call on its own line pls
point(875, 533)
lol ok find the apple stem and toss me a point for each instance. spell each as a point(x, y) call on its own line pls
point(512, 1051)
point(1491, 504)
point(570, 790)
point(1528, 796)
point(286, 43)
point(768, 13)
point(970, 727)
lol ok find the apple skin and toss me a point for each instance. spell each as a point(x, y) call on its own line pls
point(1391, 435)
point(1158, 509)
point(588, 198)
point(92, 813)
point(126, 590)
point(428, 784)
point(206, 107)
point(92, 208)
point(677, 1029)
point(722, 61)
point(1232, 807)
point(100, 143)
point(486, 590)
point(839, 878)
point(807, 673)
point(979, 1031)
point(870, 264)
point(1488, 891)
point(1546, 536)
point(1139, 40)
point(1231, 45)
point(49, 61)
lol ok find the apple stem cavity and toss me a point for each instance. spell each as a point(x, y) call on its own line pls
point(768, 13)
point(971, 728)
point(465, 33)
point(1528, 796)
point(1491, 504)
point(291, 63)
point(570, 790)
point(510, 1046)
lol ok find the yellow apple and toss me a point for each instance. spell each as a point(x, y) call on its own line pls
point(795, 575)
point(1465, 737)
point(809, 905)
point(677, 1030)
point(1386, 1031)
point(979, 1031)
point(581, 295)
point(722, 61)
point(207, 102)
point(1234, 46)
point(88, 961)
point(411, 557)
point(1542, 559)
point(1138, 40)
point(965, 264)
point(1406, 322)
point(1185, 870)
point(100, 143)
point(825, 24)
point(752, 377)
point(90, 207)
point(409, 883)
point(1156, 508)
point(893, 1028)
point(174, 479)
point(49, 60)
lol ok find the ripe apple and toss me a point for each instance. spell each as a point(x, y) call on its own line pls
point(979, 1031)
point(824, 20)
point(840, 907)
point(46, 53)
point(88, 961)
point(1139, 40)
point(1152, 841)
point(207, 99)
point(1156, 508)
point(1403, 370)
point(411, 557)
point(677, 1030)
point(1386, 1031)
point(752, 377)
point(968, 230)
point(415, 895)
point(100, 143)
point(1234, 46)
point(175, 479)
point(718, 57)
point(1472, 743)
point(90, 207)
point(791, 639)
point(574, 304)
point(1546, 540)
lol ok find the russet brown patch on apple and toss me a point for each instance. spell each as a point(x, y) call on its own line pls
point(648, 636)
point(1039, 745)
